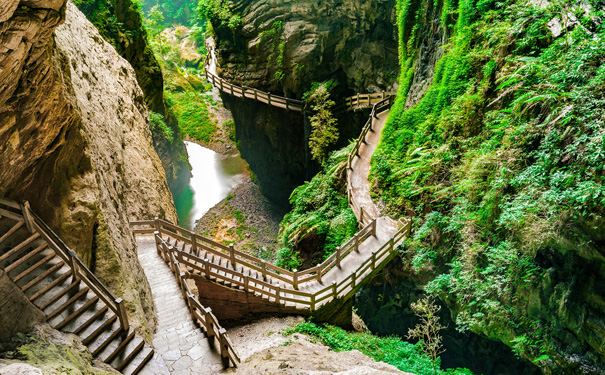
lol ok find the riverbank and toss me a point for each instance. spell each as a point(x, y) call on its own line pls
point(245, 218)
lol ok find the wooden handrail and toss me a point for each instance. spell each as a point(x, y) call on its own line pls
point(201, 314)
point(78, 268)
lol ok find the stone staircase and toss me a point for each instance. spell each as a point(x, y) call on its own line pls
point(72, 299)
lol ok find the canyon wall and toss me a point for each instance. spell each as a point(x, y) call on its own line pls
point(283, 47)
point(75, 141)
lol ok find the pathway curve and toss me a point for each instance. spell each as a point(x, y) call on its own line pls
point(358, 175)
point(183, 347)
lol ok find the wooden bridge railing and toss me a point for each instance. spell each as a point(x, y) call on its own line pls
point(291, 279)
point(377, 108)
point(22, 212)
point(275, 292)
point(203, 316)
point(366, 100)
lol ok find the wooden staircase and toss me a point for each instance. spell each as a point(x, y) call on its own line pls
point(57, 282)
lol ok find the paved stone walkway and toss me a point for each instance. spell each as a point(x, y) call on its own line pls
point(182, 346)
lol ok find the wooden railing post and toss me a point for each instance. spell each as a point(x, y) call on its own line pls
point(373, 260)
point(338, 257)
point(158, 242)
point(157, 224)
point(334, 289)
point(264, 266)
point(27, 217)
point(122, 314)
point(207, 268)
point(255, 95)
point(232, 255)
point(374, 228)
point(361, 215)
point(295, 279)
point(357, 243)
point(246, 283)
point(269, 98)
point(171, 251)
point(287, 109)
point(353, 279)
point(277, 291)
point(194, 249)
point(319, 273)
point(75, 270)
point(312, 302)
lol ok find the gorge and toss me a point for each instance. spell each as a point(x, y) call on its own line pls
point(492, 155)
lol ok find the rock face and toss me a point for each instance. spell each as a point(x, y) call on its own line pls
point(303, 357)
point(14, 303)
point(285, 46)
point(125, 31)
point(75, 142)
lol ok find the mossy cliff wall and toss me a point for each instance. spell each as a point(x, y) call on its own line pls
point(283, 47)
point(75, 141)
point(494, 148)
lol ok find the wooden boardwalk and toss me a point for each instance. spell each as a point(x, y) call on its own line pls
point(354, 102)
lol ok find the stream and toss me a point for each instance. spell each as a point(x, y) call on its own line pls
point(213, 175)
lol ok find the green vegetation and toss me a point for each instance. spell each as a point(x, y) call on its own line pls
point(324, 129)
point(320, 219)
point(174, 12)
point(275, 61)
point(218, 13)
point(427, 331)
point(392, 350)
point(157, 124)
point(502, 159)
point(192, 113)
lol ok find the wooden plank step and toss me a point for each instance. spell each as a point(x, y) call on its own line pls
point(77, 313)
point(50, 286)
point(49, 272)
point(104, 344)
point(138, 367)
point(11, 231)
point(99, 329)
point(87, 323)
point(131, 356)
point(42, 261)
point(19, 247)
point(56, 297)
point(120, 347)
point(26, 257)
point(67, 303)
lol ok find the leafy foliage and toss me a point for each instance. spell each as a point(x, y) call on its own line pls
point(218, 12)
point(324, 130)
point(392, 350)
point(157, 124)
point(191, 111)
point(320, 215)
point(501, 159)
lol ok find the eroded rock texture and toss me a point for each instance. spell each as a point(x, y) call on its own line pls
point(285, 46)
point(75, 141)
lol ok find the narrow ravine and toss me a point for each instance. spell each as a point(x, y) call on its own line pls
point(213, 176)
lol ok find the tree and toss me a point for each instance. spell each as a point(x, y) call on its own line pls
point(324, 132)
point(154, 21)
point(427, 331)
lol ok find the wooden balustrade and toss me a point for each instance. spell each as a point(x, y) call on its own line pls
point(202, 315)
point(22, 212)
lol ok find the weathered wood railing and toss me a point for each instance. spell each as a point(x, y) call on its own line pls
point(363, 216)
point(22, 212)
point(366, 100)
point(202, 315)
point(284, 295)
point(291, 279)
point(258, 95)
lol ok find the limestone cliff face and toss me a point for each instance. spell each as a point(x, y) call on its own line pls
point(75, 141)
point(285, 46)
point(124, 30)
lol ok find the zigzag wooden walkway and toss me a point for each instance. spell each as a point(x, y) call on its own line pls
point(55, 280)
point(307, 291)
point(354, 102)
